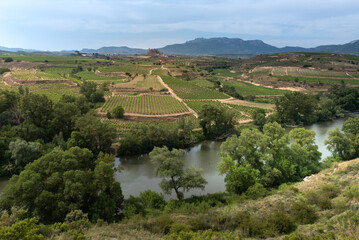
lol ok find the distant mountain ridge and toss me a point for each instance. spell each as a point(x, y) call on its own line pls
point(115, 50)
point(215, 46)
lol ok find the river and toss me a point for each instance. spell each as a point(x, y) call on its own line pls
point(138, 173)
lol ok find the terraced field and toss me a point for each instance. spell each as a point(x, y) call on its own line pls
point(189, 90)
point(85, 75)
point(27, 75)
point(319, 80)
point(136, 69)
point(146, 104)
point(302, 72)
point(247, 89)
point(203, 83)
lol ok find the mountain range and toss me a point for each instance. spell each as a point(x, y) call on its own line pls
point(215, 46)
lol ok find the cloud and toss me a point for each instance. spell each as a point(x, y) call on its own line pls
point(276, 20)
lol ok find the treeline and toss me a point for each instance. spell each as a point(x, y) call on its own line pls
point(31, 125)
point(299, 108)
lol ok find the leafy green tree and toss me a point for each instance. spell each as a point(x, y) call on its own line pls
point(65, 116)
point(269, 158)
point(351, 126)
point(93, 134)
point(89, 90)
point(118, 112)
point(344, 145)
point(215, 121)
point(24, 152)
point(169, 166)
point(259, 118)
point(296, 108)
point(37, 109)
point(63, 181)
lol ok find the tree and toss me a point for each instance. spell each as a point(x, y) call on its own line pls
point(269, 158)
point(89, 90)
point(65, 116)
point(215, 121)
point(118, 112)
point(93, 134)
point(296, 108)
point(259, 118)
point(23, 152)
point(345, 145)
point(169, 166)
point(63, 181)
point(37, 109)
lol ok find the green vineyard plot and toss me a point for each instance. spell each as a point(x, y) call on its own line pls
point(188, 90)
point(146, 104)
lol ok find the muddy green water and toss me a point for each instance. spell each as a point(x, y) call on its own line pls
point(137, 174)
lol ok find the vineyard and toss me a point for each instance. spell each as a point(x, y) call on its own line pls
point(302, 72)
point(189, 90)
point(126, 68)
point(247, 89)
point(28, 75)
point(146, 104)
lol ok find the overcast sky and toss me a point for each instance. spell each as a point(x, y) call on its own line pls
point(77, 24)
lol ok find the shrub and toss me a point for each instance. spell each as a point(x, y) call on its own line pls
point(133, 206)
point(162, 224)
point(4, 70)
point(281, 222)
point(352, 192)
point(151, 199)
point(256, 191)
point(179, 227)
point(303, 213)
point(8, 59)
point(118, 112)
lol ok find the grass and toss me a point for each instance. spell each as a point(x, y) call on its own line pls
point(150, 82)
point(247, 89)
point(146, 104)
point(189, 90)
point(160, 71)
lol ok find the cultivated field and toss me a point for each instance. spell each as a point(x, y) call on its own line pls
point(146, 104)
point(189, 90)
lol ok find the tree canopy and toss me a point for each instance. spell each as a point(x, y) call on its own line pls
point(63, 181)
point(170, 166)
point(269, 158)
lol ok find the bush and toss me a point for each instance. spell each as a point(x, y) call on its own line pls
point(281, 222)
point(151, 199)
point(118, 112)
point(8, 59)
point(256, 191)
point(4, 70)
point(179, 227)
point(303, 213)
point(161, 224)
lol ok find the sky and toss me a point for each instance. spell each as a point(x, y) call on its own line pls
point(76, 24)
